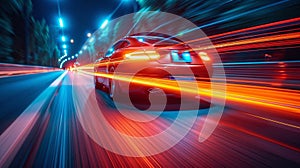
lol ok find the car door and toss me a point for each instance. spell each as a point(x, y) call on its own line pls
point(103, 63)
point(110, 59)
point(99, 69)
point(113, 58)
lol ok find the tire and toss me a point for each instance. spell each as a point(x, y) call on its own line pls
point(113, 86)
point(97, 84)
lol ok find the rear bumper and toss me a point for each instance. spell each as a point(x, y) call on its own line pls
point(176, 70)
point(168, 71)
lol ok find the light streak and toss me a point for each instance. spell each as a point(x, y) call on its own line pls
point(243, 14)
point(275, 98)
point(267, 26)
point(280, 38)
point(232, 17)
point(274, 121)
point(261, 137)
point(17, 69)
point(14, 136)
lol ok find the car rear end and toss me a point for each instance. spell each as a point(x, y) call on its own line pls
point(171, 56)
point(168, 59)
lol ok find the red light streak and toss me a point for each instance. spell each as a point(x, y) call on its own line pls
point(269, 26)
point(260, 42)
point(261, 137)
point(274, 98)
point(274, 121)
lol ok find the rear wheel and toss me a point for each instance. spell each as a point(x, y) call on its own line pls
point(96, 83)
point(113, 86)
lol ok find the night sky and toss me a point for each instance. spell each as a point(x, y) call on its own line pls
point(80, 17)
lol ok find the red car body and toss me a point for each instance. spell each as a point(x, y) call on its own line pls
point(159, 54)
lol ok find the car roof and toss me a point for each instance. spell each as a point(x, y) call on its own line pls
point(154, 34)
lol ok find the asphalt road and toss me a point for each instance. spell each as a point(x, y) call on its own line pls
point(57, 120)
point(17, 92)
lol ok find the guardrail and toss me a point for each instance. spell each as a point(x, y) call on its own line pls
point(18, 69)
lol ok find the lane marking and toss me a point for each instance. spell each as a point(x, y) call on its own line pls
point(274, 121)
point(14, 136)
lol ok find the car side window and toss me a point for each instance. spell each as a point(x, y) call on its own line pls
point(124, 44)
point(109, 52)
point(117, 46)
point(121, 44)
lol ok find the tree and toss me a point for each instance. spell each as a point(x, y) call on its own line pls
point(15, 16)
point(6, 40)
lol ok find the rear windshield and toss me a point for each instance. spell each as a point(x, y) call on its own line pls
point(154, 40)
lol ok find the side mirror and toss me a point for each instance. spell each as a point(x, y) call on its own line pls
point(100, 54)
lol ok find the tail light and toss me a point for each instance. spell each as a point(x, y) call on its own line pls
point(204, 56)
point(143, 55)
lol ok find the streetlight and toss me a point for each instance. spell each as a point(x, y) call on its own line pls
point(89, 35)
point(61, 23)
point(91, 39)
point(64, 46)
point(104, 24)
point(63, 38)
point(72, 41)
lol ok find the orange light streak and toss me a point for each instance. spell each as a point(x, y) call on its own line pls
point(256, 27)
point(280, 37)
point(251, 35)
point(19, 72)
point(280, 99)
point(274, 121)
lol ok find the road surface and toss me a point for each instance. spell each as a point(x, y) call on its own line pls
point(45, 119)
